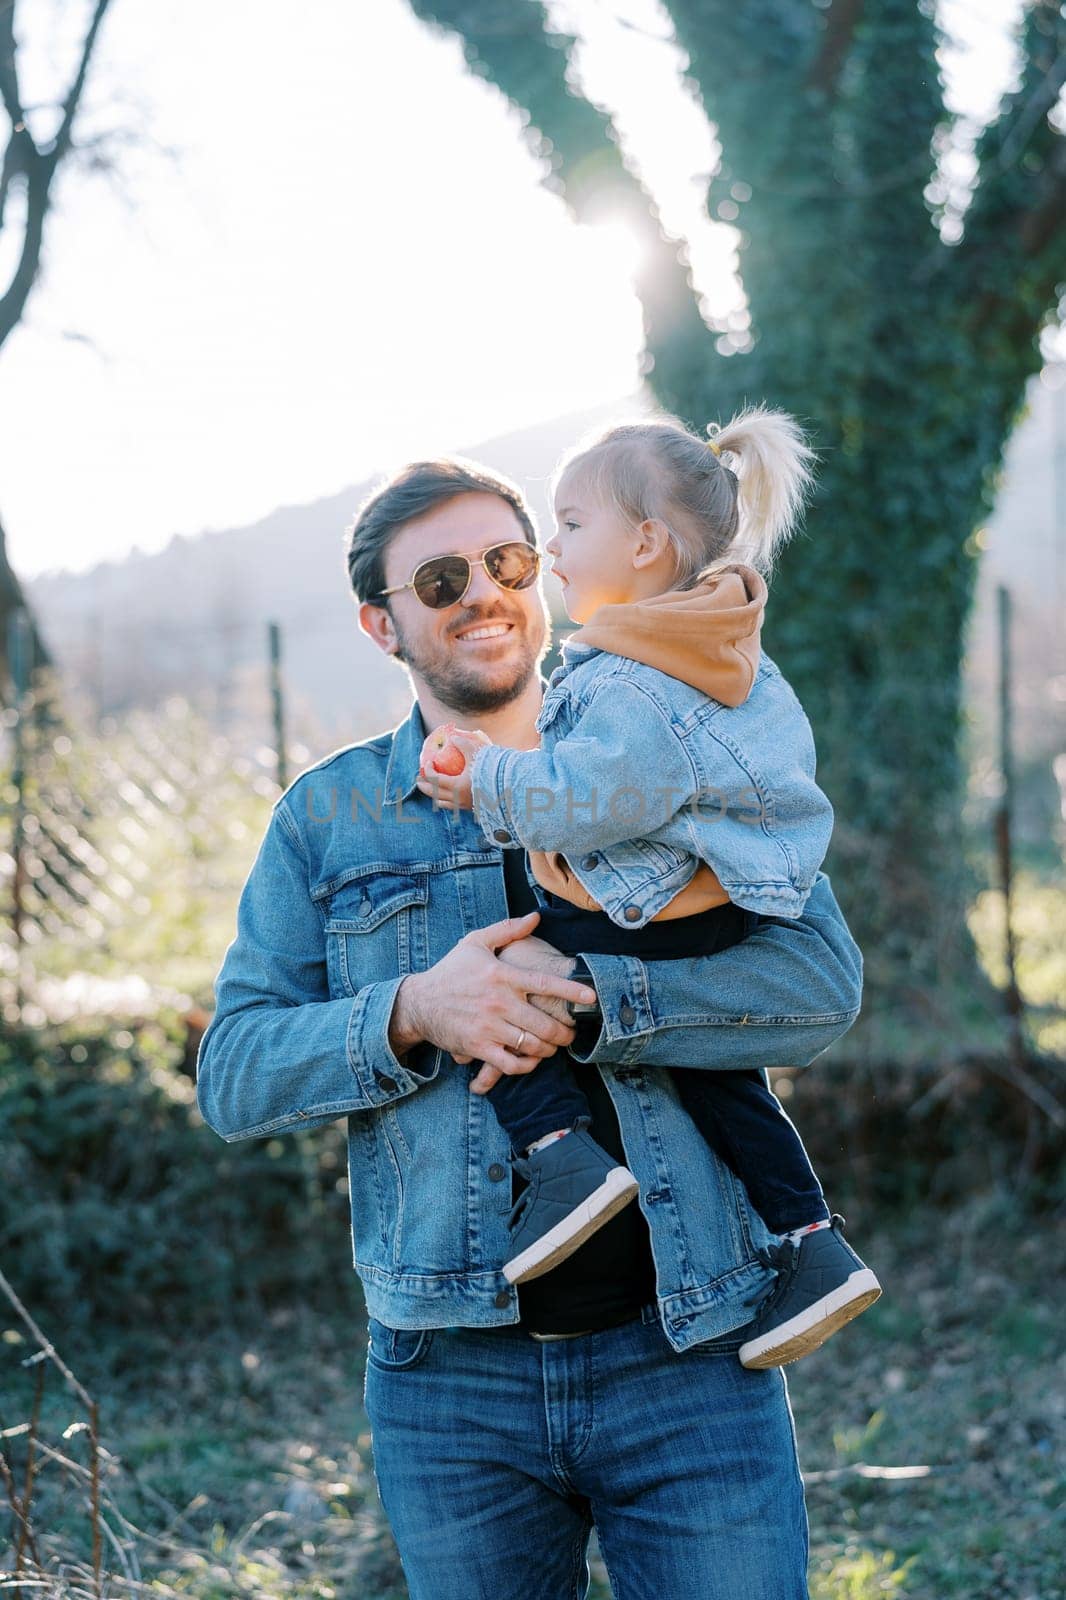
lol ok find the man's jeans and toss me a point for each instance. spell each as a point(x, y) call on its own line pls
point(495, 1454)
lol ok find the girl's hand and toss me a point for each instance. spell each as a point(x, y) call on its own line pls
point(487, 1078)
point(445, 763)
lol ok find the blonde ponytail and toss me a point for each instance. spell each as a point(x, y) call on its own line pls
point(772, 462)
point(716, 512)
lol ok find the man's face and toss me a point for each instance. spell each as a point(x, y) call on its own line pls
point(467, 673)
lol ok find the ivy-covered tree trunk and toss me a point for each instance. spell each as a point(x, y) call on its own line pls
point(905, 355)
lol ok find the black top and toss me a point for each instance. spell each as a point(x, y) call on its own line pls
point(611, 1277)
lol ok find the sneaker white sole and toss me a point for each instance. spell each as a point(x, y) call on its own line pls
point(803, 1333)
point(617, 1190)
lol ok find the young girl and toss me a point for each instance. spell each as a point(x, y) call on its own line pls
point(671, 803)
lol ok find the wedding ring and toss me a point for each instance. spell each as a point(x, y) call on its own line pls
point(521, 1041)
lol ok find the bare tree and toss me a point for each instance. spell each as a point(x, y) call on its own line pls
point(30, 163)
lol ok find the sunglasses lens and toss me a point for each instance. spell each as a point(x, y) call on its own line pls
point(512, 566)
point(442, 581)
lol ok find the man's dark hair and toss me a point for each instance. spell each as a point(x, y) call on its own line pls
point(419, 488)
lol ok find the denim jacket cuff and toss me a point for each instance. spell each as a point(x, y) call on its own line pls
point(488, 780)
point(621, 982)
point(378, 1071)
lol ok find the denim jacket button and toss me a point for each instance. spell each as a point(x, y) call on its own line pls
point(632, 913)
point(365, 906)
point(501, 836)
point(502, 1299)
point(626, 1015)
point(496, 1172)
point(388, 1084)
point(589, 862)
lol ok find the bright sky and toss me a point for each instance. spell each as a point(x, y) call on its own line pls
point(347, 260)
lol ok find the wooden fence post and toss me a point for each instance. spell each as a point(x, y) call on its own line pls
point(278, 702)
point(19, 649)
point(1004, 824)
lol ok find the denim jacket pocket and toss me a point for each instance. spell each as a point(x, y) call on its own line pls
point(553, 704)
point(396, 1349)
point(376, 928)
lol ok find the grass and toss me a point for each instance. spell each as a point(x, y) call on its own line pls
point(953, 1371)
point(244, 1463)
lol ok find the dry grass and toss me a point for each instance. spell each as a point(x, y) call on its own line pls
point(242, 1467)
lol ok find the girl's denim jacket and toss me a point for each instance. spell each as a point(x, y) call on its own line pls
point(640, 776)
point(359, 881)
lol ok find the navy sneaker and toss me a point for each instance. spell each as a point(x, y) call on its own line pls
point(822, 1284)
point(574, 1187)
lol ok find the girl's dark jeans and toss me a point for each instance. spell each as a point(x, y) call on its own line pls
point(741, 1119)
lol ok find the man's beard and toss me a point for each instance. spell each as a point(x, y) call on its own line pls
point(463, 689)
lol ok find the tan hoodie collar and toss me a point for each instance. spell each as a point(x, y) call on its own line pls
point(707, 636)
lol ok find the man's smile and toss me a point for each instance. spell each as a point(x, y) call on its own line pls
point(477, 631)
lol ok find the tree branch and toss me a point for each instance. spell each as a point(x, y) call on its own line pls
point(37, 166)
point(13, 300)
point(1044, 222)
point(20, 148)
point(510, 43)
point(750, 63)
point(1013, 250)
point(1016, 146)
point(70, 106)
point(841, 22)
point(11, 168)
point(9, 86)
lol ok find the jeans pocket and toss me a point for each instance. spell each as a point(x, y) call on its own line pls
point(396, 1349)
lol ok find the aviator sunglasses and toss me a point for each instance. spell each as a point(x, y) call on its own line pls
point(443, 580)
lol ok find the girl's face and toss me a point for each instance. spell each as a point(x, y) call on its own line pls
point(592, 552)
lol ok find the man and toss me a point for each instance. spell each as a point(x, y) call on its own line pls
point(381, 947)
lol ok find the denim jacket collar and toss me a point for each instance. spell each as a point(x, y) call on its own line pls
point(401, 774)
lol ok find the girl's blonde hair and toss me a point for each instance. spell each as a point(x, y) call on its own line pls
point(716, 513)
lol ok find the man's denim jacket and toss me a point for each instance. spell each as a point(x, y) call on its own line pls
point(361, 880)
point(640, 776)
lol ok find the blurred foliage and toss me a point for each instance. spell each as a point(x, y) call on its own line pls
point(1038, 918)
point(922, 1122)
point(119, 1209)
point(919, 1121)
point(896, 311)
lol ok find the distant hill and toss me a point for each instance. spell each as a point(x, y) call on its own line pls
point(192, 618)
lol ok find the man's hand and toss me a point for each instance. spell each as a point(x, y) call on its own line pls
point(479, 1008)
point(536, 958)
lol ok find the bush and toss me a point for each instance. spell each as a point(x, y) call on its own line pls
point(118, 1207)
point(890, 1136)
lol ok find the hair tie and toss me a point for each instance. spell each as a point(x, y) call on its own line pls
point(712, 445)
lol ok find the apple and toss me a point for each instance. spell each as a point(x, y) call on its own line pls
point(445, 757)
